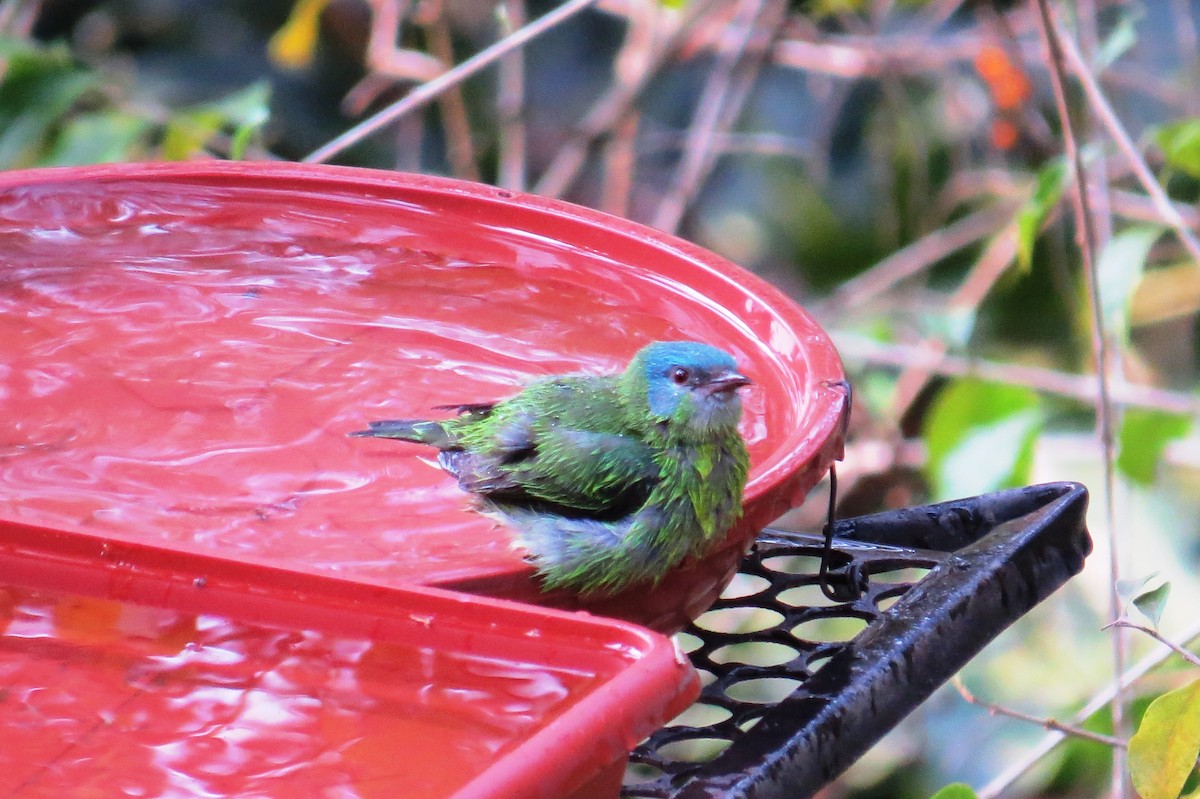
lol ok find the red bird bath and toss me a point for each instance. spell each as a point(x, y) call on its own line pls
point(183, 349)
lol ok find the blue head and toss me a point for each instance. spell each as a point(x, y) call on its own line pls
point(688, 386)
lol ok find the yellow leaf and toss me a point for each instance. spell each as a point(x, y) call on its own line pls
point(1166, 293)
point(1163, 751)
point(292, 45)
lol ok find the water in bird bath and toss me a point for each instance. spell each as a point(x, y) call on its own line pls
point(180, 363)
point(107, 698)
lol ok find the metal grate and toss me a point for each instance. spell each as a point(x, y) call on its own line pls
point(798, 687)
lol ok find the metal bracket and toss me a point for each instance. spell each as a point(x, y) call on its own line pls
point(990, 559)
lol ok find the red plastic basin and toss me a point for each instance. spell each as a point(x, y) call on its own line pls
point(185, 346)
point(130, 670)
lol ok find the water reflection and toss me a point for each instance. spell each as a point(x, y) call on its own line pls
point(108, 698)
point(195, 386)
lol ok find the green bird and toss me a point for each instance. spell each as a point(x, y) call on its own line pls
point(607, 481)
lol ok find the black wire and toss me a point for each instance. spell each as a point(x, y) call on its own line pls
point(853, 583)
point(827, 553)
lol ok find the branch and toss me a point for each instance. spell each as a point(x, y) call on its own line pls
point(1141, 170)
point(1050, 724)
point(510, 103)
point(718, 107)
point(1050, 381)
point(431, 89)
point(608, 111)
point(918, 256)
point(460, 149)
point(1055, 44)
point(1189, 656)
point(1001, 783)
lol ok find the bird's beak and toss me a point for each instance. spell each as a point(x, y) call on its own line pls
point(727, 381)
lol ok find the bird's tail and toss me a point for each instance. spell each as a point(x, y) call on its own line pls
point(418, 431)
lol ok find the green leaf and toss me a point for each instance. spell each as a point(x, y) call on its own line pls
point(1051, 182)
point(104, 137)
point(246, 111)
point(1147, 594)
point(38, 87)
point(954, 325)
point(1163, 751)
point(189, 130)
point(956, 790)
point(980, 437)
point(1128, 589)
point(1151, 603)
point(21, 53)
point(827, 8)
point(1143, 438)
point(877, 389)
point(1119, 271)
point(1180, 145)
point(1119, 42)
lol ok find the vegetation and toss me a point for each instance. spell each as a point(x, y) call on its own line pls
point(990, 206)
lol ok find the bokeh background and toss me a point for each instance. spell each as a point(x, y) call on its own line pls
point(899, 167)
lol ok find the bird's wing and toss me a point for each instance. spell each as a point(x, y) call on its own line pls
point(468, 408)
point(568, 471)
point(599, 474)
point(483, 466)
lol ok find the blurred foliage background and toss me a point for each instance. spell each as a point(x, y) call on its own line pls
point(897, 166)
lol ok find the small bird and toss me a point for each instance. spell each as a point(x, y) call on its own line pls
point(607, 481)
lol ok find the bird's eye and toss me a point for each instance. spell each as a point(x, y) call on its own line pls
point(680, 375)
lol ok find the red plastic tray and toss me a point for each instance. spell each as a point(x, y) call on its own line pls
point(133, 670)
point(185, 347)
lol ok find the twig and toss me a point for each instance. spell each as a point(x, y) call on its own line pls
point(620, 166)
point(1155, 85)
point(560, 175)
point(1055, 45)
point(17, 17)
point(1188, 42)
point(1079, 387)
point(1138, 207)
point(1125, 144)
point(1016, 770)
point(919, 256)
point(1097, 182)
point(996, 258)
point(741, 143)
point(1050, 724)
point(912, 141)
point(643, 23)
point(510, 102)
point(971, 183)
point(8, 10)
point(719, 105)
point(1189, 656)
point(854, 57)
point(938, 13)
point(460, 150)
point(386, 61)
point(427, 91)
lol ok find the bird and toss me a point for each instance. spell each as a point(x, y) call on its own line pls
point(606, 481)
